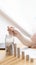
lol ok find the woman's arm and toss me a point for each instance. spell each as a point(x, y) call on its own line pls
point(19, 36)
point(24, 40)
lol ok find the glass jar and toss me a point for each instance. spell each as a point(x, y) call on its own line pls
point(8, 44)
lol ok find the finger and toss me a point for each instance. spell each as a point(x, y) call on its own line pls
point(10, 29)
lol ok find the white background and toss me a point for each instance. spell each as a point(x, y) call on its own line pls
point(22, 11)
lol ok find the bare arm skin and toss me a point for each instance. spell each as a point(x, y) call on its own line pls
point(20, 37)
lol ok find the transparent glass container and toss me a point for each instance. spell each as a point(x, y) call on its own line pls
point(8, 44)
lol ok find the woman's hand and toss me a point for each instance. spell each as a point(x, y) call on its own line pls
point(12, 31)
